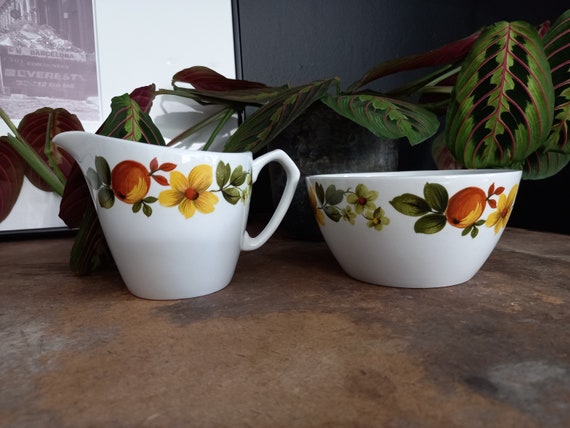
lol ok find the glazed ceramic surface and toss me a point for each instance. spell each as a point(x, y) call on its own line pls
point(417, 229)
point(174, 219)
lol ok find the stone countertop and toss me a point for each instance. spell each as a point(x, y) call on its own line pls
point(291, 342)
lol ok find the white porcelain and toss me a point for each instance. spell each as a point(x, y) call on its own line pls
point(174, 219)
point(417, 229)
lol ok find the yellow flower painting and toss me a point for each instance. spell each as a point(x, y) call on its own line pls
point(190, 193)
point(499, 218)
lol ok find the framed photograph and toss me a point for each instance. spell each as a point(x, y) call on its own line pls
point(79, 54)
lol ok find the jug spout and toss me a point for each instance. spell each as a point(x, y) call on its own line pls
point(77, 143)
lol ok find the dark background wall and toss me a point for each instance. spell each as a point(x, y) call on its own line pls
point(297, 41)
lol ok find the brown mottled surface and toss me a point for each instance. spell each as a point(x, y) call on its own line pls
point(291, 342)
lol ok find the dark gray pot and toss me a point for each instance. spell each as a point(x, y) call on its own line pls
point(320, 142)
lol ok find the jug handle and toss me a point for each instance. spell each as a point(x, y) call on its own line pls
point(292, 172)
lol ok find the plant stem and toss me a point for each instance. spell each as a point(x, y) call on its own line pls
point(200, 125)
point(229, 113)
point(37, 164)
point(183, 93)
point(30, 156)
point(8, 122)
point(444, 76)
point(427, 81)
point(48, 153)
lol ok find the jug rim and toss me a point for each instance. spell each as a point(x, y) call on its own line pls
point(186, 151)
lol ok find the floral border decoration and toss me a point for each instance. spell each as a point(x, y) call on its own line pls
point(129, 182)
point(360, 202)
point(434, 209)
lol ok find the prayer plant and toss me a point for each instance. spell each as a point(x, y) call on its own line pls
point(499, 98)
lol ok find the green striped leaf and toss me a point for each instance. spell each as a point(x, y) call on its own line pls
point(444, 55)
point(386, 117)
point(90, 250)
point(37, 129)
point(502, 105)
point(129, 122)
point(557, 47)
point(204, 78)
point(542, 164)
point(210, 87)
point(236, 98)
point(11, 177)
point(268, 121)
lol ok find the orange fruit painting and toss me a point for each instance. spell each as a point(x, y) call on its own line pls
point(465, 207)
point(130, 181)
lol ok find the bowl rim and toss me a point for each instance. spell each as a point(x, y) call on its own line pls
point(416, 174)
